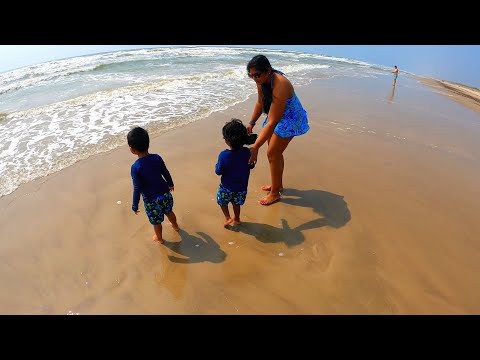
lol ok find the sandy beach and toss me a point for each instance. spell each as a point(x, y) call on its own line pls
point(379, 216)
point(464, 95)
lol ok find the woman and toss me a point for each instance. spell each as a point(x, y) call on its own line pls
point(286, 118)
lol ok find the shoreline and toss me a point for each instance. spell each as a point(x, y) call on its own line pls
point(464, 95)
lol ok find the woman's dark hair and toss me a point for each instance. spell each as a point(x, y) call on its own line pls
point(261, 63)
point(138, 139)
point(235, 133)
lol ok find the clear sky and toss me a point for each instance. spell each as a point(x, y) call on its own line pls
point(456, 63)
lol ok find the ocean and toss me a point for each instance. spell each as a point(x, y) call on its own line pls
point(59, 112)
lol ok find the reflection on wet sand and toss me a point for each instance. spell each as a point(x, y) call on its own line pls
point(173, 277)
point(392, 94)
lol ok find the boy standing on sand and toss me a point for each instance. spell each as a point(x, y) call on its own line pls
point(152, 179)
point(234, 169)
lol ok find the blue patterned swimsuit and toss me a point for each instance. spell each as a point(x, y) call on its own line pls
point(294, 120)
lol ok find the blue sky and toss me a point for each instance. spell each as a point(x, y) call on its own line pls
point(456, 63)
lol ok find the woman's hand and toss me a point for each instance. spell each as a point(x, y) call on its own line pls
point(253, 155)
point(249, 129)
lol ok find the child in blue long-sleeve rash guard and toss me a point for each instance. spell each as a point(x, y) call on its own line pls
point(234, 169)
point(152, 180)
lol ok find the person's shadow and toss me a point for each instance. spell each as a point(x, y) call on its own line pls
point(332, 208)
point(195, 249)
point(270, 234)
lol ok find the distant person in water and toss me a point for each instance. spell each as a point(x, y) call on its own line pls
point(152, 180)
point(395, 75)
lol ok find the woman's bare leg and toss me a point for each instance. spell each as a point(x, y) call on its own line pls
point(276, 147)
point(269, 187)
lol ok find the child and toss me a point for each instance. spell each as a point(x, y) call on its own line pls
point(152, 179)
point(234, 168)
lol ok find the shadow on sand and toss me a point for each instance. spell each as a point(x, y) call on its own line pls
point(332, 208)
point(195, 249)
point(270, 234)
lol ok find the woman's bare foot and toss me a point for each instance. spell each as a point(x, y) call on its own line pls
point(155, 238)
point(270, 199)
point(227, 222)
point(268, 188)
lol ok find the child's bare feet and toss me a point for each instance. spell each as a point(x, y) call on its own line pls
point(155, 238)
point(236, 221)
point(227, 222)
point(176, 227)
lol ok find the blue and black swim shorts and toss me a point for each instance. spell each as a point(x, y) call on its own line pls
point(225, 196)
point(158, 207)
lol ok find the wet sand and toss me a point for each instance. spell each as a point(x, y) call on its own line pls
point(379, 216)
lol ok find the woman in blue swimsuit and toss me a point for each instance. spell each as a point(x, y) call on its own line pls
point(286, 118)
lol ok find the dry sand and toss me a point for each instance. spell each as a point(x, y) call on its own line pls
point(464, 95)
point(379, 216)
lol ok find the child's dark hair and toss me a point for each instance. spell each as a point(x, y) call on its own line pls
point(262, 64)
point(138, 139)
point(236, 134)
